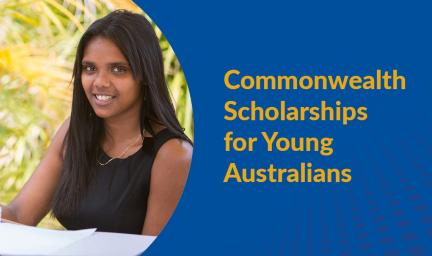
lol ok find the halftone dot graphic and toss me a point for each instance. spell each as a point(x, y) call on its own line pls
point(416, 251)
point(387, 240)
point(427, 219)
point(425, 173)
point(395, 202)
point(385, 212)
point(355, 208)
point(360, 225)
point(344, 241)
point(326, 250)
point(347, 252)
point(409, 236)
point(379, 218)
point(363, 235)
point(421, 207)
point(369, 193)
point(404, 179)
point(366, 246)
point(356, 217)
point(383, 228)
point(372, 203)
point(399, 213)
point(375, 209)
point(410, 188)
point(403, 223)
point(414, 197)
point(392, 253)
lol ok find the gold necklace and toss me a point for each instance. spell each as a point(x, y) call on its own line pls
point(121, 155)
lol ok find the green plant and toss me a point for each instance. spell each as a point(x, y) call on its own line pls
point(37, 47)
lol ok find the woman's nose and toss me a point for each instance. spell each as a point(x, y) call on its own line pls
point(102, 80)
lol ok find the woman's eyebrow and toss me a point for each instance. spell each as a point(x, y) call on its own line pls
point(119, 63)
point(116, 63)
point(84, 62)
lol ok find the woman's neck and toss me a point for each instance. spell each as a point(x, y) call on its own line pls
point(120, 131)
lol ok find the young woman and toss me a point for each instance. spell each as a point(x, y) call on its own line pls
point(120, 162)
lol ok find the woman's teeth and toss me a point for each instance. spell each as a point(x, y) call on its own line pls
point(104, 97)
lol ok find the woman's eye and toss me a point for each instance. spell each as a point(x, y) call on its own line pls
point(88, 68)
point(119, 69)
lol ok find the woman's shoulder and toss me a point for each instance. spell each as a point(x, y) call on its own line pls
point(172, 162)
point(168, 145)
point(172, 147)
point(175, 148)
point(64, 128)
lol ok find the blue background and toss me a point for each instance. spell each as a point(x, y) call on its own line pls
point(386, 209)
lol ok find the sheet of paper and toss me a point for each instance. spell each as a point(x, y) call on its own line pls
point(26, 240)
point(108, 244)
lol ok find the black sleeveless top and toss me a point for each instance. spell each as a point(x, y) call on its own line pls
point(116, 200)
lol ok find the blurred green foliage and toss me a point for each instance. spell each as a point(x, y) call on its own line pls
point(38, 39)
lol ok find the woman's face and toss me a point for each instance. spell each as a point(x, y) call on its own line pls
point(108, 81)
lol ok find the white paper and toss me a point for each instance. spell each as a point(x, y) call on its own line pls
point(108, 244)
point(27, 240)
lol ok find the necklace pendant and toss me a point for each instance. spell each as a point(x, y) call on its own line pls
point(121, 155)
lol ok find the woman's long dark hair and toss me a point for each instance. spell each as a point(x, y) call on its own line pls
point(136, 39)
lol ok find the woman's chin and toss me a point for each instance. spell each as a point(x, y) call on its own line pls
point(103, 114)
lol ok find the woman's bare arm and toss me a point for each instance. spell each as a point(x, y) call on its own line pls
point(33, 202)
point(168, 178)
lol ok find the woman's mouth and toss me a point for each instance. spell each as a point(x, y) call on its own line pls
point(103, 100)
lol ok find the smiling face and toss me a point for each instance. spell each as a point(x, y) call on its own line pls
point(108, 81)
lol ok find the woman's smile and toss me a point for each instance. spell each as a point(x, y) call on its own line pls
point(103, 100)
